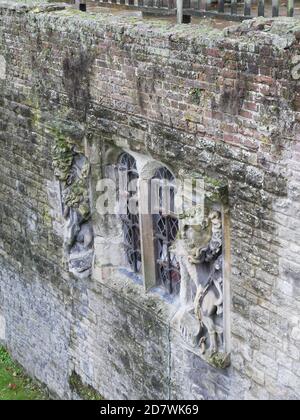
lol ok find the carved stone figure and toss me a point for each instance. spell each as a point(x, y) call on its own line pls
point(78, 242)
point(72, 169)
point(199, 251)
point(208, 305)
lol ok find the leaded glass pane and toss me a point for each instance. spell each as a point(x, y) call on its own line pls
point(165, 230)
point(130, 221)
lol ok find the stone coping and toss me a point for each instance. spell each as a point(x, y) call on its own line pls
point(280, 32)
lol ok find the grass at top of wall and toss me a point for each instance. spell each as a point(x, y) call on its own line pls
point(14, 383)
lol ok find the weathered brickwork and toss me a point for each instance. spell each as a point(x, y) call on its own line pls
point(223, 103)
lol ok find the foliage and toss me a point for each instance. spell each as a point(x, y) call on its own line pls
point(219, 360)
point(14, 384)
point(63, 156)
point(86, 392)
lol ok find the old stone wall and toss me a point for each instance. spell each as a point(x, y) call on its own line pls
point(223, 103)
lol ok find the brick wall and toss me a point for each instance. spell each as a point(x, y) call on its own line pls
point(223, 103)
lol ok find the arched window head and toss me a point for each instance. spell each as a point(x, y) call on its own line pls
point(128, 177)
point(166, 225)
point(127, 163)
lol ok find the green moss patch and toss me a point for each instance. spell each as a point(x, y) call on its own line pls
point(196, 96)
point(85, 392)
point(62, 157)
point(219, 360)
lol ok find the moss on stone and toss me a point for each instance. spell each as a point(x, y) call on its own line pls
point(47, 219)
point(85, 392)
point(219, 360)
point(62, 156)
point(216, 190)
point(77, 197)
point(76, 190)
point(196, 95)
point(36, 117)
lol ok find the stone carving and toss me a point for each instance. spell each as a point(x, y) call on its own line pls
point(200, 317)
point(2, 68)
point(209, 304)
point(72, 169)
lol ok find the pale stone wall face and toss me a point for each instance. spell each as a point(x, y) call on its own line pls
point(225, 105)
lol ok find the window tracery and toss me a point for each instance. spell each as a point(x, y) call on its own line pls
point(128, 175)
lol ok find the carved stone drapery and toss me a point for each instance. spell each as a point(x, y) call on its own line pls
point(72, 169)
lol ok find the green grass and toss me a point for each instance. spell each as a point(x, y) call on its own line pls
point(14, 383)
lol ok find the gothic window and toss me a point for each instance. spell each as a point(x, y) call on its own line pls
point(166, 225)
point(128, 176)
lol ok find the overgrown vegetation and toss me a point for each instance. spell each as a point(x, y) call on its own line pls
point(219, 360)
point(14, 383)
point(86, 392)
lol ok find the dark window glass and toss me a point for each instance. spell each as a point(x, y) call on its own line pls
point(130, 220)
point(166, 227)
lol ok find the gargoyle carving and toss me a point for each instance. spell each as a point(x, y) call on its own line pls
point(72, 169)
point(199, 251)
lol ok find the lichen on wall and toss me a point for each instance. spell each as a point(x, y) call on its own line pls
point(220, 104)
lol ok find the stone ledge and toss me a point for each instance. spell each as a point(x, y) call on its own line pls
point(281, 32)
point(24, 6)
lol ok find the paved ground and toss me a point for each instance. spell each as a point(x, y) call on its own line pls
point(92, 6)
